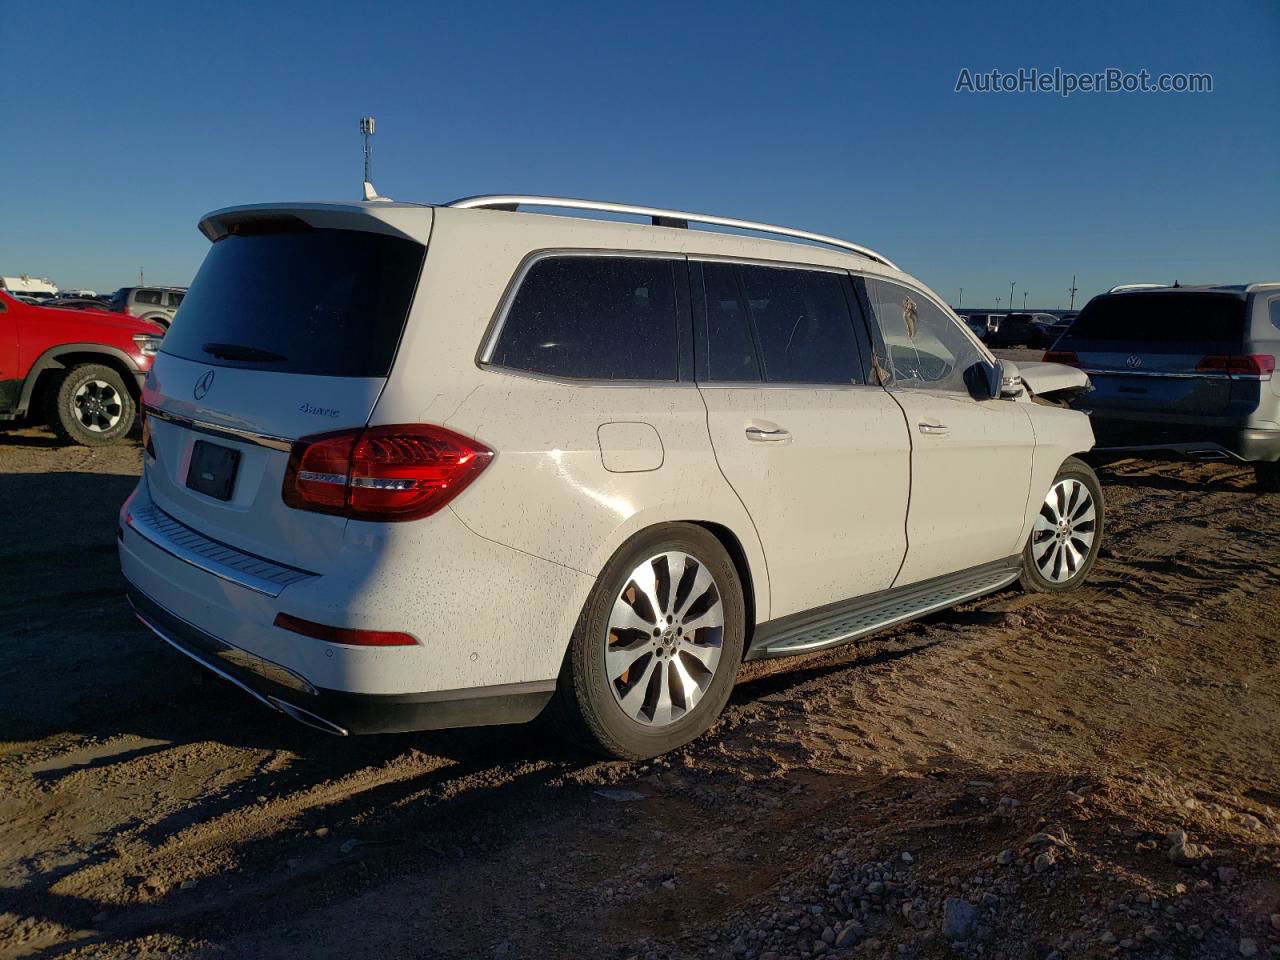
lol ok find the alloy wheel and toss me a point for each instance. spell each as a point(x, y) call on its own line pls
point(664, 638)
point(1063, 535)
point(97, 406)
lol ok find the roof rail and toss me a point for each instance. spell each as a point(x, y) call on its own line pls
point(1122, 287)
point(661, 218)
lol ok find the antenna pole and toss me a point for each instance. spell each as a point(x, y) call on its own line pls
point(366, 131)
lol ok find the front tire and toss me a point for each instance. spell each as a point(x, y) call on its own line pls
point(1067, 534)
point(657, 647)
point(90, 405)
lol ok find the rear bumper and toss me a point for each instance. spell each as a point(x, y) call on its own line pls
point(336, 711)
point(1205, 441)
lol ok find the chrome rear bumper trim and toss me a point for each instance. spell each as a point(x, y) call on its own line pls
point(273, 703)
point(202, 661)
point(308, 718)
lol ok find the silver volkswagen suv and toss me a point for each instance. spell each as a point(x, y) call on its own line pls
point(1183, 371)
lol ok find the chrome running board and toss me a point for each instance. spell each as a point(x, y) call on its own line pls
point(850, 619)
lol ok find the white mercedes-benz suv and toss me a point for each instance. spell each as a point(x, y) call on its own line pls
point(412, 466)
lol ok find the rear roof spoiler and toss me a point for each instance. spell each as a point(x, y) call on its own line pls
point(399, 219)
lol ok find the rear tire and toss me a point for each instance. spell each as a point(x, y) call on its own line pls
point(635, 684)
point(1067, 534)
point(1267, 476)
point(90, 405)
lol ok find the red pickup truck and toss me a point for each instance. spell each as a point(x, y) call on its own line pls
point(80, 370)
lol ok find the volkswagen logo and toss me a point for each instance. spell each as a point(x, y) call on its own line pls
point(1131, 362)
point(202, 386)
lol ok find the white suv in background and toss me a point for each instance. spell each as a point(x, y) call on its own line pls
point(413, 467)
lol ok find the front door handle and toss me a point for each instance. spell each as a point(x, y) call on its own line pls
point(934, 429)
point(761, 435)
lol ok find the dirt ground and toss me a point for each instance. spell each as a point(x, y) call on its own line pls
point(1083, 775)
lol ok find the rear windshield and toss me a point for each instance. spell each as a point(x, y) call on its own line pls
point(320, 302)
point(1169, 317)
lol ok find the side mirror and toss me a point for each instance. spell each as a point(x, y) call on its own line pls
point(1004, 381)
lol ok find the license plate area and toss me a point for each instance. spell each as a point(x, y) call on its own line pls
point(213, 470)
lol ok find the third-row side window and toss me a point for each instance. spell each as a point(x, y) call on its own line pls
point(593, 318)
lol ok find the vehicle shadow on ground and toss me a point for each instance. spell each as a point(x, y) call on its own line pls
point(413, 862)
point(1175, 475)
point(747, 691)
point(424, 812)
point(25, 439)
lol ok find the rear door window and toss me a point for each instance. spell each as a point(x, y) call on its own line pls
point(803, 325)
point(147, 296)
point(319, 302)
point(593, 318)
point(731, 347)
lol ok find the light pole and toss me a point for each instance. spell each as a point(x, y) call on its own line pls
point(1012, 284)
point(998, 299)
point(961, 301)
point(1072, 291)
point(1024, 300)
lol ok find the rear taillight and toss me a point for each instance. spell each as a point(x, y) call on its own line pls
point(1062, 356)
point(356, 638)
point(1249, 365)
point(398, 472)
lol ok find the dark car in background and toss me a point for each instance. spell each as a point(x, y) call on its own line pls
point(982, 322)
point(1015, 330)
point(1183, 371)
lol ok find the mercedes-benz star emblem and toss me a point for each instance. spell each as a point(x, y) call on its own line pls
point(1133, 361)
point(203, 385)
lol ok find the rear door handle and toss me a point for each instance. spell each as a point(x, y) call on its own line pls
point(761, 435)
point(934, 429)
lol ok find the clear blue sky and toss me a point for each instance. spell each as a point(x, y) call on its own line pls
point(126, 121)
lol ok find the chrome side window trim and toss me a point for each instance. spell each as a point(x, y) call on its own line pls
point(774, 264)
point(788, 385)
point(572, 382)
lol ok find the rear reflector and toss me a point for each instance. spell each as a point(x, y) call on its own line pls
point(398, 472)
point(1253, 364)
point(356, 638)
point(1062, 356)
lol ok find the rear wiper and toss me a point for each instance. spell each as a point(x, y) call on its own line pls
point(236, 351)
